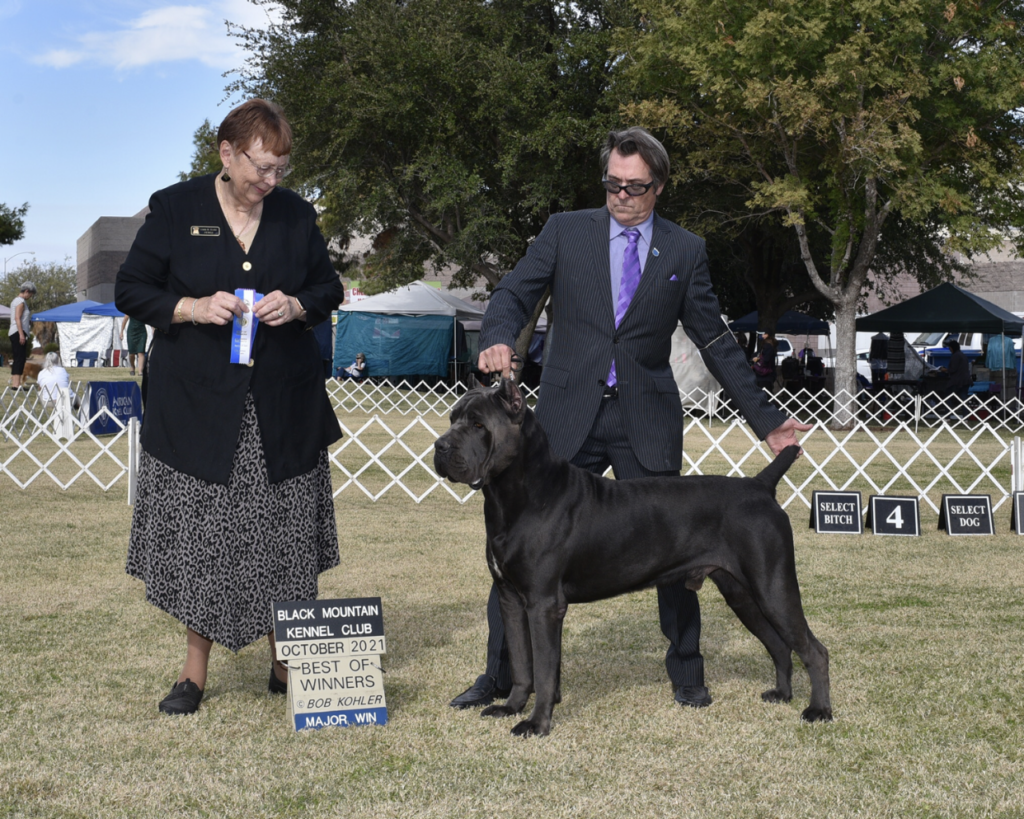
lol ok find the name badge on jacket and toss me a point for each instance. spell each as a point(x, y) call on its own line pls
point(205, 230)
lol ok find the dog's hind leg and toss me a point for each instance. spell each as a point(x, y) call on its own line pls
point(520, 652)
point(750, 615)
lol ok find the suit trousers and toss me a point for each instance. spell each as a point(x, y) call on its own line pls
point(678, 606)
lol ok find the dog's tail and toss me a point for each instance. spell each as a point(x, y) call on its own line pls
point(772, 474)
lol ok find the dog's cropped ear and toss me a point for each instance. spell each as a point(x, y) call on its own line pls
point(512, 398)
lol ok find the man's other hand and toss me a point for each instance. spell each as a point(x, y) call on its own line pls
point(498, 359)
point(785, 435)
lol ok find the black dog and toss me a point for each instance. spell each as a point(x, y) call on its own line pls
point(557, 534)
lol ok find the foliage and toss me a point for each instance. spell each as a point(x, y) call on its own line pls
point(206, 156)
point(56, 283)
point(447, 131)
point(12, 223)
point(883, 134)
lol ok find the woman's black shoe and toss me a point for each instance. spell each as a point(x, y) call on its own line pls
point(183, 699)
point(275, 686)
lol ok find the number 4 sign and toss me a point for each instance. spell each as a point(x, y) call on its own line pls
point(894, 515)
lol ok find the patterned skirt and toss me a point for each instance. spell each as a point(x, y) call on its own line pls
point(216, 557)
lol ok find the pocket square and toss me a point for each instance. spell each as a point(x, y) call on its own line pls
point(673, 278)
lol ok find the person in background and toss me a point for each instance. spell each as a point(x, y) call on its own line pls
point(357, 369)
point(21, 323)
point(52, 378)
point(764, 365)
point(234, 508)
point(959, 371)
point(878, 355)
point(136, 344)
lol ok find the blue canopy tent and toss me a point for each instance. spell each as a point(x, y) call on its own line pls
point(66, 312)
point(107, 309)
point(410, 331)
point(790, 323)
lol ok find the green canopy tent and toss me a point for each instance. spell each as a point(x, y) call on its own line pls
point(948, 308)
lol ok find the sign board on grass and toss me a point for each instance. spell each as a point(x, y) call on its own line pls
point(893, 515)
point(1017, 513)
point(332, 649)
point(966, 515)
point(836, 513)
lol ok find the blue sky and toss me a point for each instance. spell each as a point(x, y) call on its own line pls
point(99, 100)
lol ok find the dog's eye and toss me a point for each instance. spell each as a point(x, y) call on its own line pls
point(478, 425)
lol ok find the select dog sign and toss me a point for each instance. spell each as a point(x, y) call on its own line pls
point(966, 515)
point(332, 649)
point(836, 513)
point(894, 515)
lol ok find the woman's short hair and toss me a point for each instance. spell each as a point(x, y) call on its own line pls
point(637, 140)
point(257, 119)
point(360, 355)
point(27, 287)
point(953, 345)
point(52, 360)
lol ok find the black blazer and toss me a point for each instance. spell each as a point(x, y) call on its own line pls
point(196, 395)
point(571, 255)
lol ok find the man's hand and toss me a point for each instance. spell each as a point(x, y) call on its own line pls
point(497, 359)
point(785, 435)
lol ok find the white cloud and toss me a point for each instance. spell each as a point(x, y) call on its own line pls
point(165, 34)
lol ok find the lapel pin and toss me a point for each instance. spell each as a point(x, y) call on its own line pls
point(654, 250)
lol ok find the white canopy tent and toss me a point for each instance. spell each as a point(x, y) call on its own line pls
point(416, 299)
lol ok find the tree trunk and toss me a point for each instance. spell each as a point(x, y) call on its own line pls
point(844, 405)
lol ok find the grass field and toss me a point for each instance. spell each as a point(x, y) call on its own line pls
point(925, 637)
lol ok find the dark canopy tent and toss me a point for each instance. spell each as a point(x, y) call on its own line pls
point(948, 308)
point(791, 322)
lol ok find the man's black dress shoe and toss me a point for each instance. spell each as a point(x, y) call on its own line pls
point(483, 692)
point(695, 696)
point(183, 699)
point(275, 686)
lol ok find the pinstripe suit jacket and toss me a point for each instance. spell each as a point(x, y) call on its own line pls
point(571, 255)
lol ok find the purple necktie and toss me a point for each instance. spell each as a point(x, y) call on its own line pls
point(627, 284)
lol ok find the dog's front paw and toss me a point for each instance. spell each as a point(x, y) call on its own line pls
point(498, 711)
point(817, 715)
point(775, 695)
point(531, 728)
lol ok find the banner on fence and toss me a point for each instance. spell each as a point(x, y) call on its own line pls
point(121, 400)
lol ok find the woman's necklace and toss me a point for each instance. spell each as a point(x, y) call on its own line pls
point(238, 236)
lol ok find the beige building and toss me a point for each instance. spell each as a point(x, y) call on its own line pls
point(101, 251)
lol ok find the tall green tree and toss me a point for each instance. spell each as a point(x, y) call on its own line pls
point(205, 154)
point(56, 284)
point(12, 223)
point(448, 131)
point(883, 134)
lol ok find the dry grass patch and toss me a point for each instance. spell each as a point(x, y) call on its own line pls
point(927, 674)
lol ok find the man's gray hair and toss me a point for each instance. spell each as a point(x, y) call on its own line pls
point(637, 140)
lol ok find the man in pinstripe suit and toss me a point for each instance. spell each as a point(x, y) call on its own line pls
point(607, 394)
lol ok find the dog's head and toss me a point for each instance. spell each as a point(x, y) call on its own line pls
point(484, 436)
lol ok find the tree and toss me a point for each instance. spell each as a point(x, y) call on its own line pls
point(206, 157)
point(12, 223)
point(884, 134)
point(56, 284)
point(448, 131)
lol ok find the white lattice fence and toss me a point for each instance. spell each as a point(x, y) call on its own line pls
point(900, 444)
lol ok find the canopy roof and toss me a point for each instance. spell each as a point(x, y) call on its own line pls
point(107, 309)
point(5, 313)
point(948, 308)
point(416, 299)
point(66, 312)
point(792, 322)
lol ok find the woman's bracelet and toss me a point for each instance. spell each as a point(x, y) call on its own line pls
point(177, 310)
point(194, 302)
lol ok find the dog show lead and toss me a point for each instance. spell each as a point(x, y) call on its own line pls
point(234, 507)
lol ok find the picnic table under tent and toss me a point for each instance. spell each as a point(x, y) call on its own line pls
point(947, 308)
point(410, 331)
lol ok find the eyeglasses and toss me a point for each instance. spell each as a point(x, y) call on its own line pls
point(632, 189)
point(263, 171)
